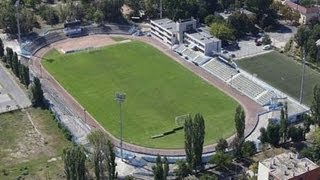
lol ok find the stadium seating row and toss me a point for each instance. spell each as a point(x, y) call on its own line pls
point(219, 69)
point(247, 86)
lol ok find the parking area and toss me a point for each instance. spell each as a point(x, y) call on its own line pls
point(246, 48)
point(282, 35)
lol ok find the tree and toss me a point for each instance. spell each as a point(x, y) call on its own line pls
point(188, 140)
point(210, 19)
point(236, 145)
point(208, 177)
point(241, 24)
point(183, 170)
point(248, 149)
point(284, 124)
point(307, 122)
point(222, 31)
point(194, 139)
point(296, 134)
point(239, 119)
point(263, 136)
point(221, 160)
point(315, 106)
point(198, 140)
point(222, 145)
point(225, 4)
point(273, 131)
point(24, 75)
point(266, 39)
point(165, 167)
point(74, 163)
point(37, 93)
point(271, 135)
point(158, 169)
point(15, 64)
point(302, 35)
point(1, 48)
point(9, 54)
point(103, 156)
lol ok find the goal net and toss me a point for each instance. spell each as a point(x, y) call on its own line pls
point(181, 119)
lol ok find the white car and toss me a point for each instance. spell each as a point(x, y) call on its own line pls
point(267, 47)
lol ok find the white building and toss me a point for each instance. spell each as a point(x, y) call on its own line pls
point(185, 31)
point(288, 166)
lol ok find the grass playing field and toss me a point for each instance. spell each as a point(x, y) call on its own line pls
point(283, 73)
point(158, 89)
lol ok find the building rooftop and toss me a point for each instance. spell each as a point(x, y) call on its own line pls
point(203, 35)
point(288, 165)
point(302, 9)
point(167, 24)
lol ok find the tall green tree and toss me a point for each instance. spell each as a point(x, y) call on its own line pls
point(188, 140)
point(307, 122)
point(74, 163)
point(222, 31)
point(15, 64)
point(165, 167)
point(222, 145)
point(296, 134)
point(248, 149)
point(161, 168)
point(198, 139)
point(284, 123)
point(182, 170)
point(270, 135)
point(194, 139)
point(315, 106)
point(221, 160)
point(9, 54)
point(37, 93)
point(158, 169)
point(239, 119)
point(1, 48)
point(103, 156)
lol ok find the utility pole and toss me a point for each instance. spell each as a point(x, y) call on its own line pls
point(120, 98)
point(17, 5)
point(302, 75)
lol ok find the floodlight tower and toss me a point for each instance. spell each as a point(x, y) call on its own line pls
point(120, 98)
point(17, 5)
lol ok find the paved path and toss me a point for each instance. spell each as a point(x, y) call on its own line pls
point(251, 108)
point(11, 87)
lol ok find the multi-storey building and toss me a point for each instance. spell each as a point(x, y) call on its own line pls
point(185, 31)
point(288, 166)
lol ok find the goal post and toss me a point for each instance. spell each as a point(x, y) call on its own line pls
point(181, 119)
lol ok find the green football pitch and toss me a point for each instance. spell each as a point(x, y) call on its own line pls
point(158, 90)
point(283, 73)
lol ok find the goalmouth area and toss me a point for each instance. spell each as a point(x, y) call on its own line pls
point(158, 90)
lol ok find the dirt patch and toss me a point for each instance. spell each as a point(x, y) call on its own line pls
point(33, 147)
point(85, 42)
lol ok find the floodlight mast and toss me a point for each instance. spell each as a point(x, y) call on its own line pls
point(120, 98)
point(17, 5)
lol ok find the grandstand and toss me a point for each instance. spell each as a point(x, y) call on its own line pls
point(266, 97)
point(72, 28)
point(180, 49)
point(200, 60)
point(247, 86)
point(220, 69)
point(58, 35)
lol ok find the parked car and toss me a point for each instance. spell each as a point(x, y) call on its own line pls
point(258, 43)
point(224, 51)
point(267, 47)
